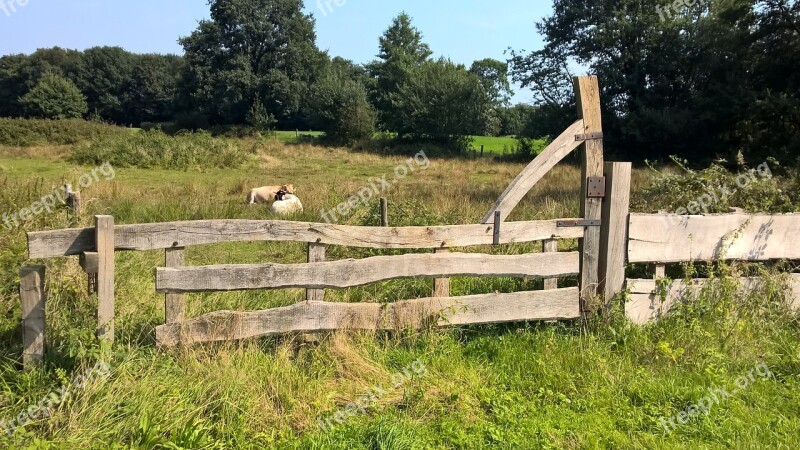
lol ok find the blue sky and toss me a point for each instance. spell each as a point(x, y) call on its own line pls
point(464, 30)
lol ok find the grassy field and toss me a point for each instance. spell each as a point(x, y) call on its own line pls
point(518, 386)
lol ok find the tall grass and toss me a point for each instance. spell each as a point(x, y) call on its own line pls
point(37, 132)
point(510, 386)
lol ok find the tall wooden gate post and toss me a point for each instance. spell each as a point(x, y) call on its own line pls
point(614, 229)
point(104, 241)
point(587, 93)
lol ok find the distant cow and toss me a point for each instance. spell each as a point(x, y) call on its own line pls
point(267, 194)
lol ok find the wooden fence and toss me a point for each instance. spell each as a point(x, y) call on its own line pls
point(609, 238)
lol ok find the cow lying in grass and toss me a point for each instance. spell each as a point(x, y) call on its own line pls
point(267, 194)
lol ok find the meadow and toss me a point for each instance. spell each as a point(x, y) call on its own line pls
point(608, 384)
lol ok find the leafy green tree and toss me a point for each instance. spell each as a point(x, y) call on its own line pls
point(340, 108)
point(54, 97)
point(442, 102)
point(248, 49)
point(152, 88)
point(104, 76)
point(494, 78)
point(401, 51)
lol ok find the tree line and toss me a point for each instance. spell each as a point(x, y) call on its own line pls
point(701, 79)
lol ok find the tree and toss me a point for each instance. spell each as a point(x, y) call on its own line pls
point(443, 102)
point(248, 49)
point(104, 76)
point(151, 90)
point(54, 97)
point(339, 107)
point(401, 51)
point(494, 78)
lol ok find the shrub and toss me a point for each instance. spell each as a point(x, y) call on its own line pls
point(339, 107)
point(154, 149)
point(54, 97)
point(32, 132)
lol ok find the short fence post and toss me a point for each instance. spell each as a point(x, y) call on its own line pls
point(441, 286)
point(550, 246)
point(481, 150)
point(73, 199)
point(316, 253)
point(384, 212)
point(32, 297)
point(614, 229)
point(174, 304)
point(104, 235)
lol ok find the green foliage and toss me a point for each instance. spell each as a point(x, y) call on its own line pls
point(750, 189)
point(154, 149)
point(54, 97)
point(443, 102)
point(34, 132)
point(494, 78)
point(339, 107)
point(251, 49)
point(259, 118)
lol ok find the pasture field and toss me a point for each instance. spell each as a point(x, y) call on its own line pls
point(518, 386)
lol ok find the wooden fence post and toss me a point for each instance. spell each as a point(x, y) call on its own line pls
point(550, 246)
point(174, 304)
point(32, 297)
point(587, 93)
point(316, 253)
point(614, 229)
point(384, 212)
point(441, 286)
point(104, 241)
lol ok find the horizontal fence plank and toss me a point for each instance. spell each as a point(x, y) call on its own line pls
point(670, 238)
point(50, 244)
point(644, 305)
point(323, 316)
point(349, 273)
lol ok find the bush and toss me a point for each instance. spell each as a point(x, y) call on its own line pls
point(154, 149)
point(33, 132)
point(339, 107)
point(54, 97)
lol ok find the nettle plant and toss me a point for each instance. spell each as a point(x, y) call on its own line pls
point(753, 189)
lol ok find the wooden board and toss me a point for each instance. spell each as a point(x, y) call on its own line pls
point(550, 246)
point(562, 146)
point(645, 306)
point(669, 238)
point(50, 244)
point(587, 93)
point(174, 304)
point(614, 229)
point(105, 277)
point(32, 297)
point(316, 253)
point(348, 273)
point(321, 316)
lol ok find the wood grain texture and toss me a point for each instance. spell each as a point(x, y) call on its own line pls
point(645, 305)
point(316, 253)
point(587, 93)
point(105, 277)
point(322, 316)
point(349, 273)
point(154, 236)
point(670, 238)
point(550, 246)
point(32, 297)
point(561, 146)
point(614, 229)
point(174, 304)
point(441, 286)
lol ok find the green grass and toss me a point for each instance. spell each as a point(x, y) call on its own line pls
point(518, 386)
point(291, 137)
point(494, 145)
